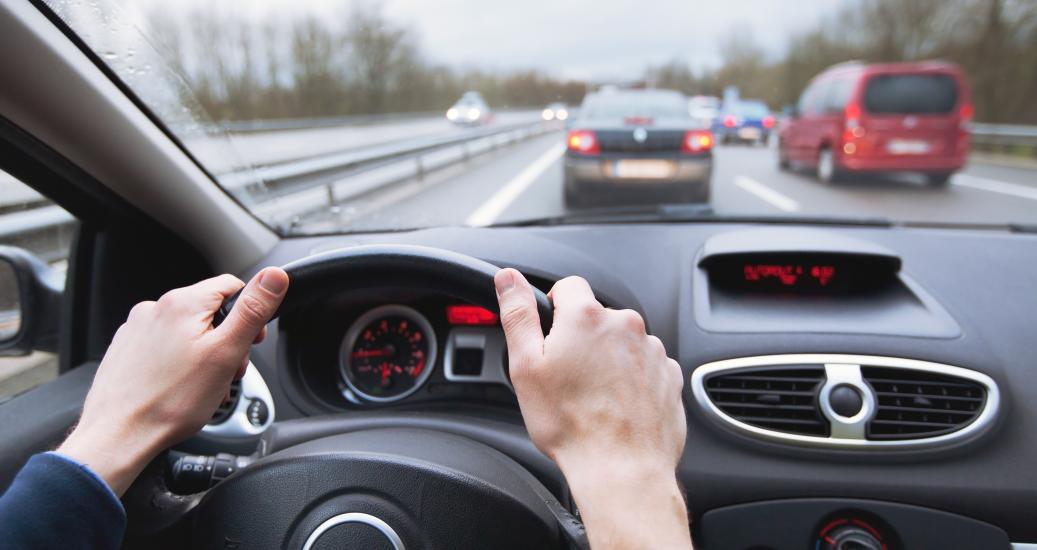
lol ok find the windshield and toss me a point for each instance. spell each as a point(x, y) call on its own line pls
point(325, 116)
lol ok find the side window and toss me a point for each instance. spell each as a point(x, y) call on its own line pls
point(31, 222)
point(804, 98)
point(839, 94)
point(811, 103)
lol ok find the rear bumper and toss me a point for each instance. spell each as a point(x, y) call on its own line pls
point(901, 163)
point(742, 133)
point(601, 170)
point(594, 179)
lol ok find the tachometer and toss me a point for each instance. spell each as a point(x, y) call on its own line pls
point(388, 353)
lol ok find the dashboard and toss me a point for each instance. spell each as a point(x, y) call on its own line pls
point(844, 317)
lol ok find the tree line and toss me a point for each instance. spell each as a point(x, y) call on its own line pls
point(240, 70)
point(994, 41)
point(366, 64)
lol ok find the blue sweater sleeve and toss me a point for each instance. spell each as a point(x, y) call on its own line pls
point(55, 502)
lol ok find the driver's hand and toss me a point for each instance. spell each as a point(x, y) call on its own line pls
point(600, 397)
point(166, 371)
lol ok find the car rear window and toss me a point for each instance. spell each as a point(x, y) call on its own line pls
point(911, 94)
point(753, 109)
point(630, 105)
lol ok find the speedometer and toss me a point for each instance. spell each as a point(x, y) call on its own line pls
point(387, 353)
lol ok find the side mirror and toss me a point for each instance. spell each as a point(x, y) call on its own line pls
point(790, 111)
point(30, 303)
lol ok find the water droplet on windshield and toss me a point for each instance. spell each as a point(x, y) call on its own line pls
point(110, 55)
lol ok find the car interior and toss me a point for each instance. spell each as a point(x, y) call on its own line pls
point(849, 383)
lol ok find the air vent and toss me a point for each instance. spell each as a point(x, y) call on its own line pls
point(858, 402)
point(783, 399)
point(917, 404)
point(226, 408)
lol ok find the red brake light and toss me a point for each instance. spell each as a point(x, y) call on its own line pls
point(966, 112)
point(470, 315)
point(697, 141)
point(730, 121)
point(965, 117)
point(768, 121)
point(583, 141)
point(853, 115)
point(638, 121)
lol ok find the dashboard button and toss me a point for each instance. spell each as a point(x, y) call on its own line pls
point(258, 412)
point(846, 400)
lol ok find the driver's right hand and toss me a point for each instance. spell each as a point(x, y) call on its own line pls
point(601, 398)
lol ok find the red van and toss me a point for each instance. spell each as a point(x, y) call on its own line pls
point(895, 117)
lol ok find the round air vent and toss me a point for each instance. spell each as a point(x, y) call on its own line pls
point(846, 401)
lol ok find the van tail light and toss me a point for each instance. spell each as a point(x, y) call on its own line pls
point(965, 116)
point(768, 121)
point(697, 141)
point(730, 121)
point(584, 142)
point(852, 114)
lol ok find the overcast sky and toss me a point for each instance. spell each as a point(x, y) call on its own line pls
point(600, 39)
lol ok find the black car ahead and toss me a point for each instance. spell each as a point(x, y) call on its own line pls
point(637, 146)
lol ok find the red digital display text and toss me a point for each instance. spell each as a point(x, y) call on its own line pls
point(790, 275)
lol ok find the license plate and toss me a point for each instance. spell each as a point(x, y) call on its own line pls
point(749, 133)
point(644, 169)
point(907, 147)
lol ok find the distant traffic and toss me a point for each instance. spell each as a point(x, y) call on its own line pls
point(636, 145)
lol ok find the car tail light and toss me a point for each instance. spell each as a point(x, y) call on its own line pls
point(730, 121)
point(461, 314)
point(583, 141)
point(768, 121)
point(638, 121)
point(852, 115)
point(697, 141)
point(965, 116)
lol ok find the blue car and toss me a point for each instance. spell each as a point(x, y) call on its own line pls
point(746, 121)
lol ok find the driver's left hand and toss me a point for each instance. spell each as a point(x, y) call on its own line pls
point(167, 370)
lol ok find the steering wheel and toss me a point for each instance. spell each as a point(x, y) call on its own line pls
point(399, 487)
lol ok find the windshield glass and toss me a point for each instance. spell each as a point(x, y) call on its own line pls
point(336, 116)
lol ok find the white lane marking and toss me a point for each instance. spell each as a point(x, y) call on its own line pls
point(488, 212)
point(774, 198)
point(995, 186)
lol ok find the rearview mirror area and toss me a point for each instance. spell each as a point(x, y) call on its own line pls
point(30, 303)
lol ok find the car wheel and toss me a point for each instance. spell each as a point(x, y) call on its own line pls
point(938, 180)
point(570, 198)
point(783, 157)
point(826, 171)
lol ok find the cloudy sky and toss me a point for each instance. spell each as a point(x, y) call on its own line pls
point(576, 38)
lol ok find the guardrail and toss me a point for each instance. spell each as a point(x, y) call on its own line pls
point(247, 126)
point(282, 193)
point(1005, 138)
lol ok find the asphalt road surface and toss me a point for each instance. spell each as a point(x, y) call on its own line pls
point(525, 181)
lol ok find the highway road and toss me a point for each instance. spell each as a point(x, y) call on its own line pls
point(525, 181)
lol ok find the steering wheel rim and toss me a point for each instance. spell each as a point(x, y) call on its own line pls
point(429, 269)
point(409, 266)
